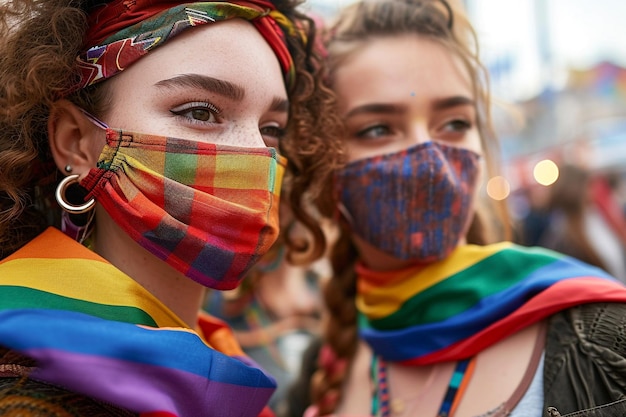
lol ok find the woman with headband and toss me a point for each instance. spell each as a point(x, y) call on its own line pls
point(142, 149)
point(425, 317)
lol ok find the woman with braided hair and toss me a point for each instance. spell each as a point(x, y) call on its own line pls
point(142, 150)
point(426, 317)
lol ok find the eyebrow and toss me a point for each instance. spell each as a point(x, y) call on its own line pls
point(382, 108)
point(214, 85)
point(378, 108)
point(455, 101)
point(217, 86)
point(279, 104)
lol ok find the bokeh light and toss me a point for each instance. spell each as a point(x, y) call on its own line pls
point(546, 172)
point(498, 188)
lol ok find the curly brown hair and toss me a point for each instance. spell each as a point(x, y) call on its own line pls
point(39, 42)
point(444, 23)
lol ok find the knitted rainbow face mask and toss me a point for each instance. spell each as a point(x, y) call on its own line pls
point(210, 211)
point(414, 204)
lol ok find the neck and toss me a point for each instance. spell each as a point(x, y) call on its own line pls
point(377, 260)
point(180, 294)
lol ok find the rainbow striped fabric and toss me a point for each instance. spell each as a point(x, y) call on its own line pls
point(453, 309)
point(95, 331)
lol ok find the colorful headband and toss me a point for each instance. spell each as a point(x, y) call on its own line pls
point(122, 31)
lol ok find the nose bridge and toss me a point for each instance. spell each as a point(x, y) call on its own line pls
point(246, 133)
point(418, 131)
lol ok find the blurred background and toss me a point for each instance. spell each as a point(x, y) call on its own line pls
point(562, 63)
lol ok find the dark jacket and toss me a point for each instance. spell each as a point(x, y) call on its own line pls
point(585, 362)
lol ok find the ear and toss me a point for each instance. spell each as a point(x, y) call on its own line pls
point(74, 140)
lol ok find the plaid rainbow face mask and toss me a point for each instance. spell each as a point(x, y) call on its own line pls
point(414, 204)
point(210, 211)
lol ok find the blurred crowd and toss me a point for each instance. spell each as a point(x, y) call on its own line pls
point(582, 214)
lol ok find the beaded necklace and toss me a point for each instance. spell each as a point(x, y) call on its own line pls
point(456, 387)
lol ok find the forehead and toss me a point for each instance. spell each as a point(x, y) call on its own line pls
point(399, 67)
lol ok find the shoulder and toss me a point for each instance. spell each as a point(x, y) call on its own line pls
point(585, 357)
point(602, 325)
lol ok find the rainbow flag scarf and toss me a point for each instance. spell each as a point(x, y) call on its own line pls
point(453, 309)
point(95, 331)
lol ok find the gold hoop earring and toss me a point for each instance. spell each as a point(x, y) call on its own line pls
point(60, 196)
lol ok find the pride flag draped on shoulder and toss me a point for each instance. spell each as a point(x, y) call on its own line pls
point(455, 308)
point(95, 331)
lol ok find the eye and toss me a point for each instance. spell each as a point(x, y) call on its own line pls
point(197, 112)
point(373, 132)
point(457, 125)
point(272, 134)
point(273, 131)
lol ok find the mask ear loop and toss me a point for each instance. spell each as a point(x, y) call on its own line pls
point(93, 119)
point(340, 209)
point(343, 212)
